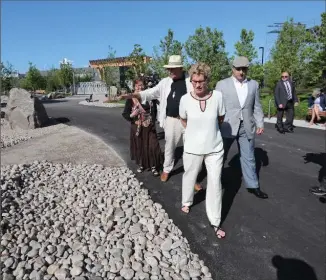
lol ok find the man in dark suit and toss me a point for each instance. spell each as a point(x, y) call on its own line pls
point(285, 100)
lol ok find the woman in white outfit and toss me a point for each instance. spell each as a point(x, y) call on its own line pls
point(201, 113)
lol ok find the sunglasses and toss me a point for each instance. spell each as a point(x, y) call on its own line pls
point(285, 76)
point(241, 68)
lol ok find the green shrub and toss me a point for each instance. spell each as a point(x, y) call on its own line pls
point(300, 111)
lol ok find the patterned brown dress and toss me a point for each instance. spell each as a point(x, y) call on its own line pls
point(144, 145)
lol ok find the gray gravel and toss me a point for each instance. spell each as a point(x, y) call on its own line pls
point(65, 221)
point(11, 137)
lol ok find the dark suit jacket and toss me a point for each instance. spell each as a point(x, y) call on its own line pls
point(280, 94)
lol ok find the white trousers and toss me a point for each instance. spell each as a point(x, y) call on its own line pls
point(173, 131)
point(192, 165)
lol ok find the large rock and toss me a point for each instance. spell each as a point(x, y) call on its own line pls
point(25, 111)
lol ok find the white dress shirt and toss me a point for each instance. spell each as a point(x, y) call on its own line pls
point(242, 91)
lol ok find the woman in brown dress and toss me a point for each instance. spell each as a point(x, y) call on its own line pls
point(144, 146)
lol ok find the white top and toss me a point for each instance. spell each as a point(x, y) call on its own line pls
point(202, 134)
point(161, 92)
point(242, 91)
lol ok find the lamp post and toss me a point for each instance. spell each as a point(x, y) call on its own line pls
point(262, 63)
point(262, 55)
point(73, 82)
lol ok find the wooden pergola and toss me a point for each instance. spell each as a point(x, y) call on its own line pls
point(124, 61)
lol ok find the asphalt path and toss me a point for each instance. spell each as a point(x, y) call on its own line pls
point(281, 238)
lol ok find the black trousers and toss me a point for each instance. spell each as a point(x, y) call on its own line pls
point(289, 113)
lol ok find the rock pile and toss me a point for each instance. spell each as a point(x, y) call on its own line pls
point(25, 111)
point(64, 221)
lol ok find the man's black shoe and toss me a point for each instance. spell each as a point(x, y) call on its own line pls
point(280, 129)
point(290, 130)
point(318, 191)
point(257, 192)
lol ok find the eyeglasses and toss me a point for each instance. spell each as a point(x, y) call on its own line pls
point(243, 69)
point(198, 82)
point(285, 76)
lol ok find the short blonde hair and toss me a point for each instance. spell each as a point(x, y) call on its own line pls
point(316, 92)
point(200, 69)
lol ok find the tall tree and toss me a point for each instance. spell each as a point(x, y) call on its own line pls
point(245, 47)
point(33, 80)
point(291, 52)
point(139, 66)
point(53, 80)
point(8, 79)
point(315, 73)
point(111, 74)
point(168, 46)
point(66, 75)
point(208, 46)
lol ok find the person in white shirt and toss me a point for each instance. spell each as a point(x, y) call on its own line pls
point(169, 92)
point(201, 112)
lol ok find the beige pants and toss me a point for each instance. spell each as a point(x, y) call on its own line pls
point(173, 131)
point(192, 165)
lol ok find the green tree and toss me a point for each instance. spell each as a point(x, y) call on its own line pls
point(53, 82)
point(33, 80)
point(139, 66)
point(292, 52)
point(8, 80)
point(111, 74)
point(315, 74)
point(65, 76)
point(245, 47)
point(208, 46)
point(167, 47)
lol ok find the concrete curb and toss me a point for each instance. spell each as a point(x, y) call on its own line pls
point(298, 123)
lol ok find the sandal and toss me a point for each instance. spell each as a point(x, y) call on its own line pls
point(219, 232)
point(154, 171)
point(140, 169)
point(185, 209)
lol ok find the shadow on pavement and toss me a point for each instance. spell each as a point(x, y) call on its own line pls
point(49, 101)
point(232, 178)
point(56, 121)
point(293, 269)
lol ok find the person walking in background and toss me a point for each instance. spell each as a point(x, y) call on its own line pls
point(317, 104)
point(144, 145)
point(244, 117)
point(201, 112)
point(285, 99)
point(169, 92)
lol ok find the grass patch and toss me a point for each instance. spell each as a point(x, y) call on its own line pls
point(115, 101)
point(300, 112)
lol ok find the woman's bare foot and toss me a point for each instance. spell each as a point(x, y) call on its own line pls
point(219, 232)
point(185, 209)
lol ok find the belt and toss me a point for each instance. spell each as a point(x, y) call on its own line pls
point(175, 117)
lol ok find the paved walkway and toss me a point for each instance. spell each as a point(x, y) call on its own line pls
point(290, 224)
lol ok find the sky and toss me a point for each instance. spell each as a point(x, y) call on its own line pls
point(45, 32)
